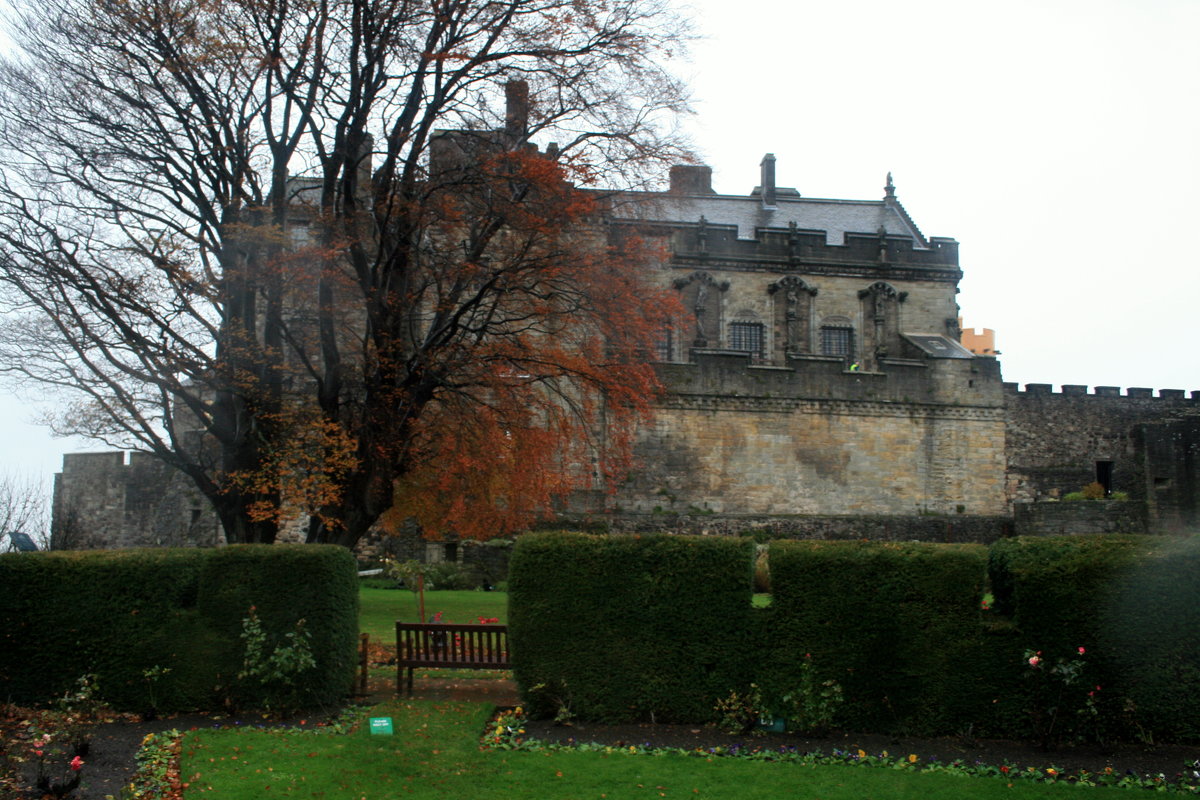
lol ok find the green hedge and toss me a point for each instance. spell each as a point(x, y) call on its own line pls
point(620, 628)
point(118, 614)
point(897, 625)
point(1133, 602)
point(287, 583)
point(1151, 628)
point(660, 627)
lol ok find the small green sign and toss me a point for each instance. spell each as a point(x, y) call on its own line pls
point(381, 726)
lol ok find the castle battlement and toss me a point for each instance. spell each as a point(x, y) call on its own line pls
point(1075, 390)
point(726, 246)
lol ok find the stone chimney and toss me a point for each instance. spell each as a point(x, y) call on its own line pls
point(516, 108)
point(768, 180)
point(691, 179)
point(365, 165)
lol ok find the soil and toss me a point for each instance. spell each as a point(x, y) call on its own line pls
point(114, 745)
point(1168, 760)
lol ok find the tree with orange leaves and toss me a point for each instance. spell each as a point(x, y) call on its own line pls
point(303, 252)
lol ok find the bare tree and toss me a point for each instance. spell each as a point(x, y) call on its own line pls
point(23, 509)
point(243, 218)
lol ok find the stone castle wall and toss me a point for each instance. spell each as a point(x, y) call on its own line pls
point(914, 438)
point(103, 501)
point(1145, 445)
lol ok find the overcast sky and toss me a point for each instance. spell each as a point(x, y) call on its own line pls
point(1055, 140)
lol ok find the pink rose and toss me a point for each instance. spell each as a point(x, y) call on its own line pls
point(76, 764)
point(1082, 651)
point(1034, 661)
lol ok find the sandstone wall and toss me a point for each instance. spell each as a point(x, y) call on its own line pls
point(102, 501)
point(912, 439)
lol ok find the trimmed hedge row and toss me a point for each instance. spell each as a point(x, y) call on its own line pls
point(1133, 602)
point(660, 627)
point(627, 627)
point(120, 614)
point(894, 624)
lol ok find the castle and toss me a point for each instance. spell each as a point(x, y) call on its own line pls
point(817, 385)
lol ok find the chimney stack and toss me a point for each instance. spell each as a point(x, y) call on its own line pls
point(768, 180)
point(516, 108)
point(691, 179)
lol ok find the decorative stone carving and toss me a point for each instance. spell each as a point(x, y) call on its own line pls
point(881, 310)
point(793, 313)
point(706, 309)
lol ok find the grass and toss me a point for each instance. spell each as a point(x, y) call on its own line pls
point(434, 753)
point(379, 609)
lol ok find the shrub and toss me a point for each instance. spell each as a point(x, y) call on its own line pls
point(442, 575)
point(813, 705)
point(740, 712)
point(1132, 601)
point(274, 672)
point(161, 628)
point(112, 614)
point(856, 606)
point(639, 627)
point(286, 583)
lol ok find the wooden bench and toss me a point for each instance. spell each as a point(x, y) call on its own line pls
point(448, 646)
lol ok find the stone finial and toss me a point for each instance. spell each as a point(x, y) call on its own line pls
point(890, 188)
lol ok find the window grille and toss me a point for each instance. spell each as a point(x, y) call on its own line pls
point(664, 349)
point(746, 336)
point(837, 341)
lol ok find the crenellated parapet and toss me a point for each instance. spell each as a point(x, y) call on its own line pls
point(720, 246)
point(729, 376)
point(1135, 443)
point(1076, 390)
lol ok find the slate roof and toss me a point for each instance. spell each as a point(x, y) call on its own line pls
point(835, 217)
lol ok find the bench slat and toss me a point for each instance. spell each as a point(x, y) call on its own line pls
point(432, 644)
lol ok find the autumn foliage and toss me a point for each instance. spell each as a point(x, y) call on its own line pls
point(339, 261)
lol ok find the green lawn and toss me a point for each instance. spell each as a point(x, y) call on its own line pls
point(434, 753)
point(379, 609)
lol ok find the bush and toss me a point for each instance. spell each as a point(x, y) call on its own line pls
point(1132, 601)
point(872, 636)
point(286, 583)
point(856, 606)
point(112, 614)
point(1150, 637)
point(441, 575)
point(160, 629)
point(621, 628)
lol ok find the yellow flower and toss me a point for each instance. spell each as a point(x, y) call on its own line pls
point(862, 754)
point(912, 758)
point(1052, 771)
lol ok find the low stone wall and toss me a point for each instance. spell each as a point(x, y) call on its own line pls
point(925, 528)
point(1079, 517)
